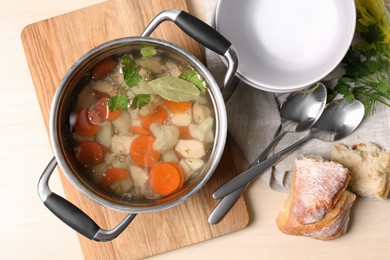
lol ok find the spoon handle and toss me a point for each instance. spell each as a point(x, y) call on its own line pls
point(269, 148)
point(228, 201)
point(247, 176)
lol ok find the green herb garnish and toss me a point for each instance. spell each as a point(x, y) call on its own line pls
point(193, 77)
point(130, 71)
point(367, 68)
point(140, 100)
point(367, 63)
point(121, 101)
point(148, 51)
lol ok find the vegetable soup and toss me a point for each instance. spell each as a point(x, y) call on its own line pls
point(142, 126)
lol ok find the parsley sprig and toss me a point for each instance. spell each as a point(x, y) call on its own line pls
point(131, 76)
point(367, 68)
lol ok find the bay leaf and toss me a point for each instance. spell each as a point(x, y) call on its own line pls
point(174, 89)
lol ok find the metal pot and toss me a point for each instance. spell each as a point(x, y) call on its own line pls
point(67, 90)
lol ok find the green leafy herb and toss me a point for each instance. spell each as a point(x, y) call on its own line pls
point(140, 100)
point(119, 102)
point(174, 89)
point(367, 68)
point(148, 51)
point(130, 71)
point(193, 77)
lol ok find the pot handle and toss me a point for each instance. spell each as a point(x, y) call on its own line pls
point(72, 215)
point(204, 34)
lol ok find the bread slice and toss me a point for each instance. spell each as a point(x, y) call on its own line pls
point(369, 167)
point(318, 205)
point(333, 225)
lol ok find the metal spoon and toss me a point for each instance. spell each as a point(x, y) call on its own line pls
point(298, 113)
point(338, 120)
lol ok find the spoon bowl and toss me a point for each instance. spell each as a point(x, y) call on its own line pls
point(302, 109)
point(298, 113)
point(338, 120)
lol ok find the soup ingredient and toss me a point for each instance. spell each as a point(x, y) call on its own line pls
point(165, 178)
point(99, 112)
point(189, 166)
point(190, 148)
point(131, 78)
point(119, 102)
point(185, 132)
point(193, 77)
point(178, 107)
point(160, 115)
point(103, 68)
point(140, 100)
point(104, 135)
point(130, 71)
point(148, 51)
point(140, 179)
point(203, 131)
point(182, 119)
point(166, 136)
point(174, 89)
point(200, 112)
point(116, 175)
point(169, 156)
point(83, 126)
point(120, 143)
point(142, 152)
point(140, 130)
point(367, 63)
point(90, 153)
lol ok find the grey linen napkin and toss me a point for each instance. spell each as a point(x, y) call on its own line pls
point(254, 120)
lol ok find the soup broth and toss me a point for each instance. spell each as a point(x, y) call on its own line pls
point(142, 126)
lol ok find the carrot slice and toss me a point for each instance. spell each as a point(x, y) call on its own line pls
point(83, 126)
point(113, 175)
point(140, 131)
point(141, 151)
point(90, 153)
point(165, 178)
point(160, 115)
point(100, 94)
point(178, 107)
point(101, 70)
point(180, 170)
point(185, 132)
point(99, 112)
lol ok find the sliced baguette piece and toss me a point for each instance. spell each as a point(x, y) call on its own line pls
point(318, 185)
point(369, 167)
point(318, 205)
point(333, 225)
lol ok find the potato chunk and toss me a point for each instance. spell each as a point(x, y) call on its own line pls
point(190, 148)
point(200, 112)
point(123, 123)
point(203, 131)
point(166, 136)
point(120, 144)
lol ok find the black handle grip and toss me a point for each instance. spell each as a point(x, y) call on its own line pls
point(71, 215)
point(203, 33)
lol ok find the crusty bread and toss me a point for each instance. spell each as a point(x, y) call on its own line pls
point(369, 167)
point(318, 205)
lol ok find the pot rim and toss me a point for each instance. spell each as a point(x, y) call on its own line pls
point(220, 124)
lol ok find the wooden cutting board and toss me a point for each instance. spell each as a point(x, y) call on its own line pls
point(51, 47)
